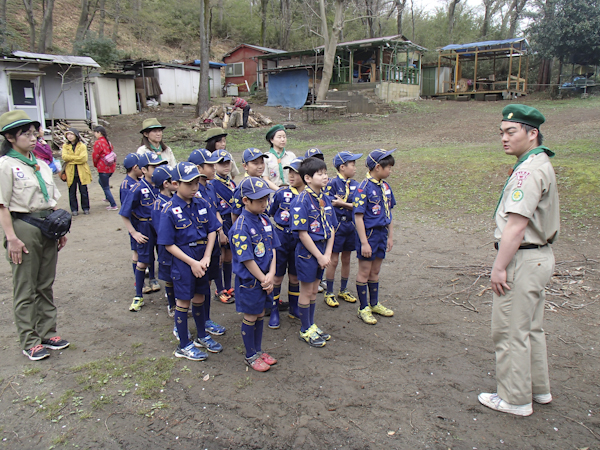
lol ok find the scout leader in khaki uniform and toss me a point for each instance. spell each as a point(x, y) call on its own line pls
point(527, 219)
point(26, 187)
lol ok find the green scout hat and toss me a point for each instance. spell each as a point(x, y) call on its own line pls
point(14, 119)
point(215, 133)
point(150, 124)
point(523, 114)
point(272, 132)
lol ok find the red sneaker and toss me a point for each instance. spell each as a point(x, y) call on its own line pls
point(257, 363)
point(223, 297)
point(268, 359)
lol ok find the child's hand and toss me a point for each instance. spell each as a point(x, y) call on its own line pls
point(223, 238)
point(267, 282)
point(205, 262)
point(198, 269)
point(323, 261)
point(365, 250)
point(390, 244)
point(337, 201)
point(139, 237)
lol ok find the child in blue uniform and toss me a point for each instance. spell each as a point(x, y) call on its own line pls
point(314, 222)
point(137, 216)
point(188, 231)
point(254, 260)
point(224, 187)
point(133, 176)
point(205, 162)
point(279, 210)
point(162, 178)
point(341, 191)
point(373, 203)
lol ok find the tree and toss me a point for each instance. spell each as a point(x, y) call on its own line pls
point(203, 94)
point(84, 20)
point(516, 9)
point(31, 20)
point(263, 22)
point(331, 41)
point(451, 14)
point(400, 6)
point(490, 9)
point(45, 41)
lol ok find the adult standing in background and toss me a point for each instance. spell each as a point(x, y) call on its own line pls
point(103, 150)
point(42, 150)
point(75, 156)
point(27, 188)
point(239, 102)
point(216, 139)
point(152, 141)
point(277, 157)
point(527, 221)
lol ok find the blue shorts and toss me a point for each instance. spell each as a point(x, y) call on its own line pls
point(250, 298)
point(146, 251)
point(307, 267)
point(227, 224)
point(133, 243)
point(185, 284)
point(286, 253)
point(377, 238)
point(345, 236)
point(165, 259)
point(213, 269)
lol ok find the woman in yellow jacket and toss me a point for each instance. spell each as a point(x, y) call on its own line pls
point(74, 154)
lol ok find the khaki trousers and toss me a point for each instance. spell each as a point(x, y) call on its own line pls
point(33, 302)
point(517, 317)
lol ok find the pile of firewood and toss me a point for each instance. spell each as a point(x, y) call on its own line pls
point(224, 116)
point(61, 127)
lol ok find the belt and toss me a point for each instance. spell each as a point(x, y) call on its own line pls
point(37, 214)
point(197, 243)
point(142, 219)
point(522, 247)
point(284, 229)
point(344, 219)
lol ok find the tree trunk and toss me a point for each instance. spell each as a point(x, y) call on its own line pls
point(102, 17)
point(82, 26)
point(412, 16)
point(400, 4)
point(31, 20)
point(518, 6)
point(370, 18)
point(451, 13)
point(45, 41)
point(330, 45)
point(115, 33)
point(544, 73)
point(203, 95)
point(263, 22)
point(286, 14)
point(487, 6)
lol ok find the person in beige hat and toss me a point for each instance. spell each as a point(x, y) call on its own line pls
point(152, 141)
point(216, 139)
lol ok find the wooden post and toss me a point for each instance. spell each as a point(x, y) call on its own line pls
point(519, 73)
point(380, 63)
point(456, 74)
point(439, 72)
point(526, 72)
point(475, 73)
point(509, 69)
point(351, 66)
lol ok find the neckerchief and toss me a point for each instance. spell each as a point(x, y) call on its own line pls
point(36, 168)
point(385, 200)
point(155, 149)
point(226, 181)
point(294, 190)
point(321, 204)
point(347, 186)
point(149, 188)
point(279, 156)
point(535, 151)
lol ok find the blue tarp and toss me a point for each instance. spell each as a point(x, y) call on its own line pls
point(478, 45)
point(288, 89)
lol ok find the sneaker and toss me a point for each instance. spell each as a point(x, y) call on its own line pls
point(176, 334)
point(154, 285)
point(231, 292)
point(86, 212)
point(170, 311)
point(320, 332)
point(268, 359)
point(366, 315)
point(208, 343)
point(542, 399)
point(494, 402)
point(283, 306)
point(112, 208)
point(223, 297)
point(147, 288)
point(190, 352)
point(347, 296)
point(382, 310)
point(74, 213)
point(136, 304)
point(256, 363)
point(36, 352)
point(55, 343)
point(330, 300)
point(312, 338)
point(214, 328)
point(322, 286)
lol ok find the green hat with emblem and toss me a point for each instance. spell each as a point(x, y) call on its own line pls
point(215, 133)
point(523, 114)
point(151, 124)
point(273, 130)
point(14, 119)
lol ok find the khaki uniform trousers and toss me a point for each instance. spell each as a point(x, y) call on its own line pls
point(33, 302)
point(517, 317)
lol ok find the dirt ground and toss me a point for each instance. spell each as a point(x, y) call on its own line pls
point(409, 382)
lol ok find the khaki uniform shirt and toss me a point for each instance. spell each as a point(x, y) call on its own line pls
point(166, 154)
point(532, 192)
point(272, 167)
point(19, 187)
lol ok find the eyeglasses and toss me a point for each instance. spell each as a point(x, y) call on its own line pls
point(30, 134)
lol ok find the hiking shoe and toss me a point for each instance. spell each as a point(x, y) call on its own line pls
point(112, 208)
point(74, 213)
point(147, 288)
point(494, 402)
point(256, 363)
point(330, 300)
point(208, 343)
point(542, 399)
point(176, 334)
point(86, 212)
point(347, 296)
point(268, 359)
point(214, 328)
point(382, 310)
point(190, 352)
point(312, 338)
point(55, 343)
point(366, 315)
point(36, 352)
point(136, 304)
point(154, 285)
point(170, 311)
point(223, 297)
point(320, 332)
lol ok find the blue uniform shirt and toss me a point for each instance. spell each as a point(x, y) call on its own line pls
point(126, 186)
point(252, 238)
point(313, 214)
point(344, 188)
point(138, 204)
point(279, 208)
point(224, 188)
point(375, 201)
point(183, 223)
point(164, 257)
point(209, 194)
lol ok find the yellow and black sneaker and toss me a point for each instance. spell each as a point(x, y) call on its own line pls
point(320, 332)
point(347, 296)
point(136, 304)
point(312, 338)
point(366, 315)
point(382, 310)
point(330, 300)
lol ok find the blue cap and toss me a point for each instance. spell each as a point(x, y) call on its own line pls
point(162, 174)
point(314, 152)
point(255, 188)
point(223, 155)
point(185, 171)
point(377, 155)
point(250, 154)
point(344, 157)
point(203, 156)
point(131, 160)
point(295, 164)
point(150, 159)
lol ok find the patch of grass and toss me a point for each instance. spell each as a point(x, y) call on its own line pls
point(155, 407)
point(244, 383)
point(150, 373)
point(103, 399)
point(28, 371)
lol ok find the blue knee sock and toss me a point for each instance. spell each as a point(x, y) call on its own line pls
point(313, 305)
point(361, 290)
point(170, 294)
point(227, 267)
point(207, 307)
point(344, 284)
point(330, 285)
point(293, 293)
point(219, 280)
point(182, 325)
point(258, 333)
point(248, 337)
point(373, 292)
point(304, 311)
point(151, 273)
point(276, 294)
point(140, 276)
point(199, 314)
point(134, 265)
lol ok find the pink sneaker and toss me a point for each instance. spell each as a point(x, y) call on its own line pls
point(268, 359)
point(257, 363)
point(112, 208)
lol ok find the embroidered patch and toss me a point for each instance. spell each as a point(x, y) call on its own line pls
point(296, 209)
point(176, 210)
point(244, 246)
point(243, 238)
point(188, 169)
point(285, 216)
point(259, 250)
point(145, 191)
point(239, 252)
point(252, 231)
point(287, 195)
point(224, 204)
point(303, 220)
point(296, 216)
point(296, 222)
point(521, 176)
point(315, 226)
point(517, 195)
point(376, 209)
point(264, 221)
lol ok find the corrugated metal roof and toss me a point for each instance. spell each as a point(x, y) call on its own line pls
point(473, 46)
point(85, 61)
point(256, 47)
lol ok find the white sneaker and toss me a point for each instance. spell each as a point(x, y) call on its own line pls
point(494, 402)
point(542, 399)
point(322, 286)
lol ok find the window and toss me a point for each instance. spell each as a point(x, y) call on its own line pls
point(235, 70)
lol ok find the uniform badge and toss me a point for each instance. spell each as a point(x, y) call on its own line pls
point(315, 226)
point(243, 238)
point(239, 252)
point(252, 231)
point(188, 169)
point(264, 221)
point(517, 195)
point(20, 175)
point(376, 209)
point(176, 210)
point(202, 211)
point(303, 221)
point(521, 176)
point(285, 216)
point(145, 191)
point(259, 250)
point(296, 209)
point(223, 204)
point(244, 246)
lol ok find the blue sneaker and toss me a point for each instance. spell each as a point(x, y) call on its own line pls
point(208, 343)
point(214, 328)
point(190, 352)
point(176, 334)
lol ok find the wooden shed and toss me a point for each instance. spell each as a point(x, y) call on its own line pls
point(242, 65)
point(114, 93)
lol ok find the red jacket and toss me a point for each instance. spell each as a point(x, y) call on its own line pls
point(101, 149)
point(240, 103)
